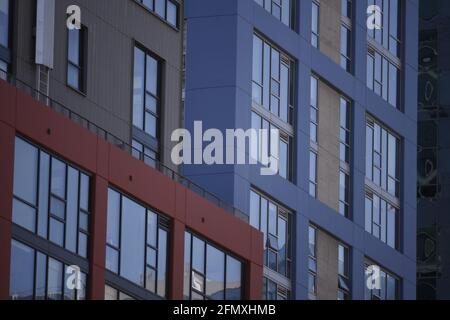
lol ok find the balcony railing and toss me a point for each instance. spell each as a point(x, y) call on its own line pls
point(85, 123)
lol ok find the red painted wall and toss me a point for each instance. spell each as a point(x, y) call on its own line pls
point(21, 114)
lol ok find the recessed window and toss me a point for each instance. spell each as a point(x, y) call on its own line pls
point(276, 224)
point(165, 9)
point(36, 276)
point(146, 103)
point(282, 10)
point(76, 58)
point(315, 25)
point(51, 198)
point(209, 272)
point(137, 239)
point(388, 285)
point(312, 263)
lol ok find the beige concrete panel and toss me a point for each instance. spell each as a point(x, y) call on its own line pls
point(329, 28)
point(327, 266)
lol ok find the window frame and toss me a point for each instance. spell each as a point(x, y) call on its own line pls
point(81, 66)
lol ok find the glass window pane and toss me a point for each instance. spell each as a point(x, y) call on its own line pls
point(112, 259)
point(55, 279)
point(150, 124)
point(58, 178)
point(74, 46)
point(113, 223)
point(284, 95)
point(110, 293)
point(56, 232)
point(82, 244)
point(57, 208)
point(284, 158)
point(4, 23)
point(160, 8)
point(72, 210)
point(254, 209)
point(22, 272)
point(215, 273)
point(152, 76)
point(73, 76)
point(198, 255)
point(133, 241)
point(172, 13)
point(24, 215)
point(370, 63)
point(162, 262)
point(84, 192)
point(44, 181)
point(25, 171)
point(138, 88)
point(187, 265)
point(152, 225)
point(41, 276)
point(257, 59)
point(150, 282)
point(234, 274)
point(393, 85)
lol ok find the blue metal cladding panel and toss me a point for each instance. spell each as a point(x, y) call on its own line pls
point(219, 77)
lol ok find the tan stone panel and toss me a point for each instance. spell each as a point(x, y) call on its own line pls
point(327, 266)
point(329, 28)
point(328, 140)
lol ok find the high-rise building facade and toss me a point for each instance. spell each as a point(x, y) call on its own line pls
point(433, 252)
point(338, 79)
point(91, 205)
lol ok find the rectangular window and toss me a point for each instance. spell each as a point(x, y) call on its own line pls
point(274, 291)
point(283, 10)
point(264, 147)
point(346, 35)
point(4, 37)
point(312, 263)
point(115, 294)
point(315, 25)
point(381, 219)
point(137, 240)
point(344, 155)
point(210, 273)
point(51, 198)
point(36, 276)
point(388, 35)
point(272, 84)
point(383, 157)
point(312, 174)
point(275, 223)
point(314, 117)
point(344, 287)
point(389, 284)
point(165, 9)
point(383, 77)
point(76, 58)
point(146, 100)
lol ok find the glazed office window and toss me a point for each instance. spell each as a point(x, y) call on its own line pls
point(344, 155)
point(143, 153)
point(4, 36)
point(314, 116)
point(280, 9)
point(315, 24)
point(272, 84)
point(209, 272)
point(276, 224)
point(382, 219)
point(346, 35)
point(382, 157)
point(389, 284)
point(264, 148)
point(115, 294)
point(344, 287)
point(388, 33)
point(312, 263)
point(76, 58)
point(51, 198)
point(383, 77)
point(274, 291)
point(165, 9)
point(146, 96)
point(137, 240)
point(36, 276)
point(313, 174)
